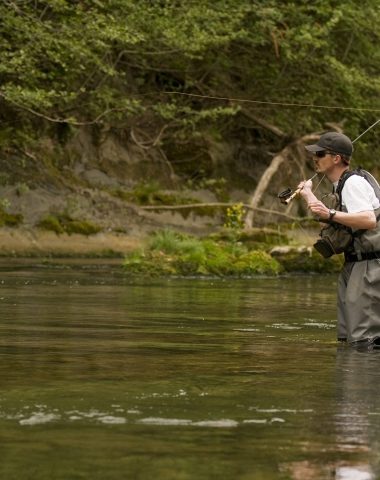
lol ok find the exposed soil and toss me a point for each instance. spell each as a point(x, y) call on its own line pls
point(23, 242)
point(83, 180)
point(124, 226)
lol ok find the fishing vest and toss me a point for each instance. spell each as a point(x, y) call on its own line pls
point(365, 243)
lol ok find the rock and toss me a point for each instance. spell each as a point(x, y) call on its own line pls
point(305, 259)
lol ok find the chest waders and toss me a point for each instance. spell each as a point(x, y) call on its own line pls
point(359, 281)
point(366, 243)
point(336, 238)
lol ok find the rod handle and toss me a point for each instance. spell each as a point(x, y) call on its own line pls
point(292, 196)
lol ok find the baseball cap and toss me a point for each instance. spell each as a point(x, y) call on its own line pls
point(333, 141)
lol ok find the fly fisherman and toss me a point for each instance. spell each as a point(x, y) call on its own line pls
point(352, 227)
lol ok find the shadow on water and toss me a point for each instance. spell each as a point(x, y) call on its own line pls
point(103, 377)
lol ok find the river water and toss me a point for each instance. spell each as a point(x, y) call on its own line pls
point(104, 377)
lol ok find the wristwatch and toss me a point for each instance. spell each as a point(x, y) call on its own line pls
point(332, 212)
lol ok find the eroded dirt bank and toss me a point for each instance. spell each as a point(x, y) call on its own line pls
point(38, 243)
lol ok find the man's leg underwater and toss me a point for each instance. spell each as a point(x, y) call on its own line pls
point(341, 302)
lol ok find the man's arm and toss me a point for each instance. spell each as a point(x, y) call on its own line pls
point(361, 220)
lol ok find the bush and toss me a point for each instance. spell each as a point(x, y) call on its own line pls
point(65, 224)
point(10, 219)
point(257, 261)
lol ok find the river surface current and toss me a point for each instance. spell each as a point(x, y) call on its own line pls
point(104, 377)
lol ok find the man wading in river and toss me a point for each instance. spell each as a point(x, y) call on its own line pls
point(352, 227)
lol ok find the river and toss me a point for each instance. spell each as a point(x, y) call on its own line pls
point(105, 377)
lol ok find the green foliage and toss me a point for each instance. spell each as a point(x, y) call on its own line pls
point(169, 242)
point(150, 193)
point(257, 261)
point(219, 186)
point(51, 222)
point(308, 261)
point(253, 239)
point(146, 193)
point(10, 219)
point(123, 62)
point(63, 223)
point(172, 253)
point(235, 217)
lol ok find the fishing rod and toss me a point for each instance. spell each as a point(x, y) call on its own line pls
point(288, 195)
point(365, 131)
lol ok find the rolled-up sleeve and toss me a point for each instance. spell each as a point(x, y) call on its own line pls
point(358, 195)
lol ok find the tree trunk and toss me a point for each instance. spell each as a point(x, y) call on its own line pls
point(286, 154)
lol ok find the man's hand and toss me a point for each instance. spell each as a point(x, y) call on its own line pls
point(306, 192)
point(305, 185)
point(319, 209)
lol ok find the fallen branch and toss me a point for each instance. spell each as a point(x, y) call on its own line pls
point(220, 204)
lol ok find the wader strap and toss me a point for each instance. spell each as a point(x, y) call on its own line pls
point(349, 257)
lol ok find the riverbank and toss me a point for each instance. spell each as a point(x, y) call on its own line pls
point(168, 253)
point(40, 243)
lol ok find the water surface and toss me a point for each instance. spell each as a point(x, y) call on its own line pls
point(104, 377)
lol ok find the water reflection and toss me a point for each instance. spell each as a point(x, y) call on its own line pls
point(356, 421)
point(180, 379)
point(314, 471)
point(354, 473)
point(358, 409)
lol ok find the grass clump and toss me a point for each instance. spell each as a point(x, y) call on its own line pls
point(254, 239)
point(10, 219)
point(63, 223)
point(172, 253)
point(151, 194)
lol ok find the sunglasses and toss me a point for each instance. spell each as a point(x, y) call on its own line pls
point(323, 153)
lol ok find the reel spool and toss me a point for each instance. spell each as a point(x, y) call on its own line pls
point(285, 195)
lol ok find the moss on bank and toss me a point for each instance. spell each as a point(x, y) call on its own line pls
point(63, 223)
point(171, 253)
point(306, 260)
point(10, 219)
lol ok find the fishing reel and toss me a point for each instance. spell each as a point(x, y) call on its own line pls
point(287, 196)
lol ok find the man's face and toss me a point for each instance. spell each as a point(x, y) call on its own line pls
point(324, 161)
